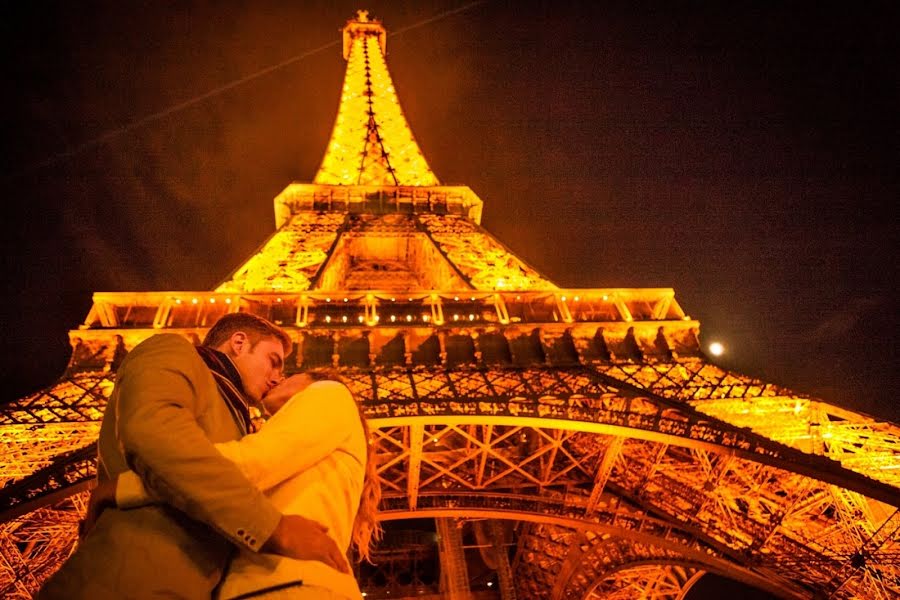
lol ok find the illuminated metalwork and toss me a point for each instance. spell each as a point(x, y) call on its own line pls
point(291, 258)
point(486, 264)
point(583, 424)
point(371, 143)
point(34, 545)
point(860, 443)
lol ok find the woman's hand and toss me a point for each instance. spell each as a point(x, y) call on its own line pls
point(103, 496)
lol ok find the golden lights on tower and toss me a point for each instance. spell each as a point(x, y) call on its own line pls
point(371, 144)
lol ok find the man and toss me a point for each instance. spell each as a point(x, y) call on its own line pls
point(171, 402)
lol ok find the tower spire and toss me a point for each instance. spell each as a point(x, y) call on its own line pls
point(371, 143)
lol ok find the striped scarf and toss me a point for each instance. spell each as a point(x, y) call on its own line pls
point(228, 380)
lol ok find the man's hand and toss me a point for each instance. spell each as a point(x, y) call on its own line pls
point(303, 539)
point(284, 391)
point(103, 496)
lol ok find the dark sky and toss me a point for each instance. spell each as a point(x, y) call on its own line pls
point(743, 153)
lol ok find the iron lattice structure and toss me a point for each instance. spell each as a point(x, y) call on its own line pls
point(578, 438)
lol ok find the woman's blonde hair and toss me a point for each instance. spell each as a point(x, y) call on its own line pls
point(366, 528)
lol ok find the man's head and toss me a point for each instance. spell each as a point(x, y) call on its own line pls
point(257, 348)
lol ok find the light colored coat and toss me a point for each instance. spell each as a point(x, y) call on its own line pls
point(163, 417)
point(310, 458)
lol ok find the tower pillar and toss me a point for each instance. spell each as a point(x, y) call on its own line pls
point(454, 574)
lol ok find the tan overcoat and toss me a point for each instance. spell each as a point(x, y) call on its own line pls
point(164, 414)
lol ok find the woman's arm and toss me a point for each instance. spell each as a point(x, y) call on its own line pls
point(309, 427)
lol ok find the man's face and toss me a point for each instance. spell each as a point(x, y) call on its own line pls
point(261, 367)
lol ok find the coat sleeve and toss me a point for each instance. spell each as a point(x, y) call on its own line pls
point(158, 429)
point(314, 423)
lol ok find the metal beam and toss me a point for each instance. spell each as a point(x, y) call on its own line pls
point(604, 469)
point(454, 574)
point(571, 563)
point(416, 435)
point(504, 572)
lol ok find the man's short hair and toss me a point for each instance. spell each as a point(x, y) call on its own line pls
point(255, 327)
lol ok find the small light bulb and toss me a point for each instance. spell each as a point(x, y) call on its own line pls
point(716, 349)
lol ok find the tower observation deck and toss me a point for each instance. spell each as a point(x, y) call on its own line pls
point(533, 440)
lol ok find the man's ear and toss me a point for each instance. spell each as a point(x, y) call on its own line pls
point(238, 343)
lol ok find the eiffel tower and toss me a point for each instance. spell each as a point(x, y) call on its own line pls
point(533, 441)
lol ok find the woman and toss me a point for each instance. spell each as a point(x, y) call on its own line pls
point(312, 458)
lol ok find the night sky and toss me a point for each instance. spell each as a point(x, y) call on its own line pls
point(744, 154)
